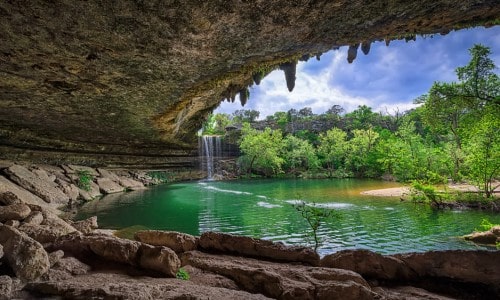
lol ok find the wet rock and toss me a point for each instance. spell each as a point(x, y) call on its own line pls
point(369, 264)
point(161, 259)
point(108, 186)
point(8, 198)
point(25, 256)
point(5, 287)
point(86, 226)
point(282, 281)
point(257, 248)
point(35, 218)
point(179, 242)
point(43, 188)
point(116, 286)
point(14, 212)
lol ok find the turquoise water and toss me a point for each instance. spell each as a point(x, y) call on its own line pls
point(263, 209)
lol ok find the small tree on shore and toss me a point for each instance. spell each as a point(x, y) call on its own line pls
point(315, 216)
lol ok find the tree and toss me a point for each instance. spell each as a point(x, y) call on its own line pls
point(245, 116)
point(298, 154)
point(483, 152)
point(261, 150)
point(315, 216)
point(333, 149)
point(360, 147)
point(305, 112)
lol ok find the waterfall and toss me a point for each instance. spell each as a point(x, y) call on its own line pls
point(210, 150)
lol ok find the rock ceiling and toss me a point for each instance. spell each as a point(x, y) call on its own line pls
point(110, 82)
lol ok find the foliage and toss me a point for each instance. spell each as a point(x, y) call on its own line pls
point(245, 116)
point(315, 216)
point(182, 274)
point(261, 150)
point(298, 154)
point(84, 179)
point(333, 149)
point(485, 225)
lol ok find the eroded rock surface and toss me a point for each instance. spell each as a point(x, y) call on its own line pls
point(131, 82)
point(242, 245)
point(179, 242)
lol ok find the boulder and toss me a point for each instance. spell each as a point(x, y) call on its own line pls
point(86, 226)
point(8, 198)
point(108, 174)
point(58, 225)
point(161, 259)
point(130, 183)
point(91, 194)
point(35, 218)
point(40, 233)
point(257, 248)
point(55, 257)
point(179, 242)
point(108, 186)
point(25, 256)
point(21, 194)
point(45, 189)
point(474, 266)
point(114, 249)
point(158, 259)
point(70, 190)
point(281, 280)
point(5, 287)
point(14, 212)
point(369, 264)
point(72, 266)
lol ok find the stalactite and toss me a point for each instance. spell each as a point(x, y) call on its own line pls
point(387, 41)
point(290, 69)
point(365, 47)
point(352, 53)
point(257, 77)
point(244, 95)
point(305, 57)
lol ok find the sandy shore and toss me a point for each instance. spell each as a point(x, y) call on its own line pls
point(390, 192)
point(404, 190)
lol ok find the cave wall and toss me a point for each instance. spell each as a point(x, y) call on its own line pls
point(130, 82)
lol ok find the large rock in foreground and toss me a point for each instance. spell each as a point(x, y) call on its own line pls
point(283, 281)
point(27, 258)
point(115, 286)
point(247, 246)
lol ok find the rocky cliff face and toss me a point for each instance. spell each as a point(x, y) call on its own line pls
point(130, 82)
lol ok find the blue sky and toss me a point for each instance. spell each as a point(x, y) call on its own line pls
point(386, 79)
